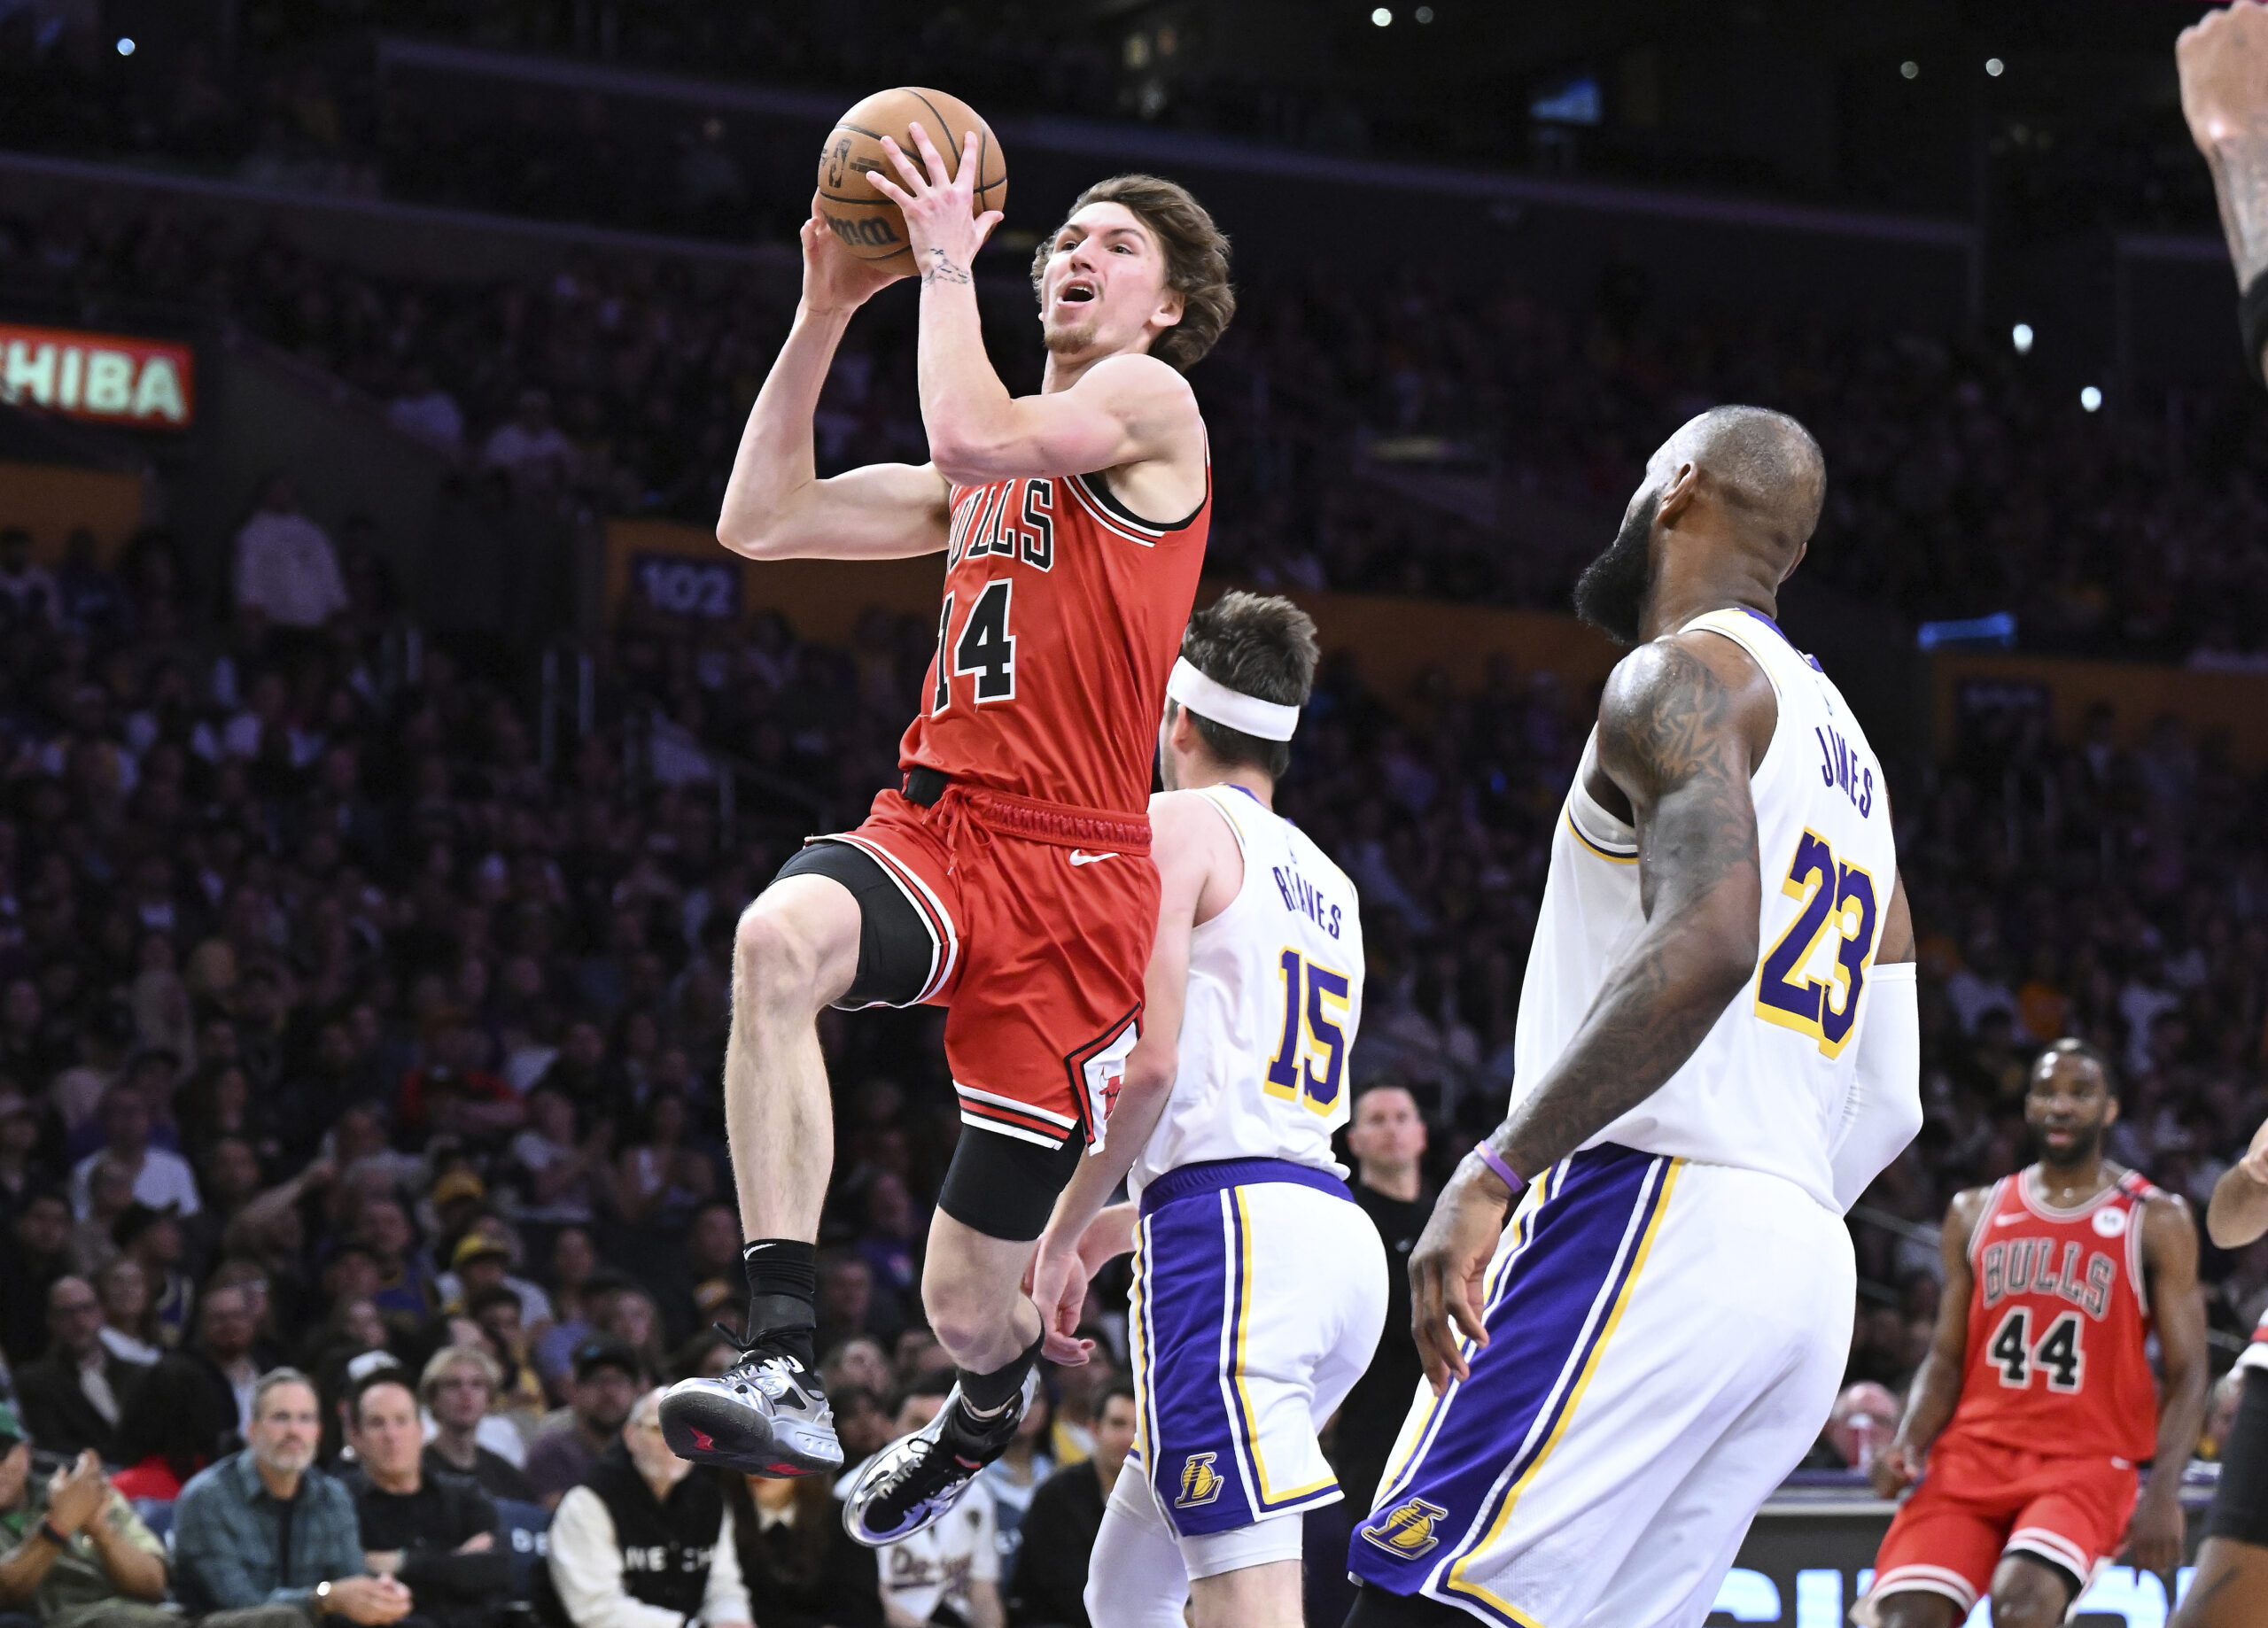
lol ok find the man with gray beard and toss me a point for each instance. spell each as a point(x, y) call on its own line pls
point(264, 1539)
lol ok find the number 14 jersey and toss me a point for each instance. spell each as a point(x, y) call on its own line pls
point(2058, 1325)
point(1063, 613)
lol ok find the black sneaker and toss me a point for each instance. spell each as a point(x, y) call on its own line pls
point(911, 1485)
point(765, 1415)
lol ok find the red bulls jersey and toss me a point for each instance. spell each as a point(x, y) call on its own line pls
point(1063, 614)
point(2057, 1323)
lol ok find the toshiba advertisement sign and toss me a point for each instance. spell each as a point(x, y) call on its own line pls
point(102, 378)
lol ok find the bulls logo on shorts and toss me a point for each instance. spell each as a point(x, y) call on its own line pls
point(1407, 1529)
point(1200, 1483)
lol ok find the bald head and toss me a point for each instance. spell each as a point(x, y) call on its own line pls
point(1762, 465)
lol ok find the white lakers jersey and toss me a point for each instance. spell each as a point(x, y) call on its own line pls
point(1764, 1088)
point(1275, 991)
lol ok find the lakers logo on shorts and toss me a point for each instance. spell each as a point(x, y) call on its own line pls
point(1200, 1483)
point(1407, 1529)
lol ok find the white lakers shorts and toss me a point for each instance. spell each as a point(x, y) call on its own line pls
point(1665, 1341)
point(1259, 1294)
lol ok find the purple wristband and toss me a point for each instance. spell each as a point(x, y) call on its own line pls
point(1505, 1174)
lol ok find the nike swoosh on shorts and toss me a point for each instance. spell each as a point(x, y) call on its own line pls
point(1081, 856)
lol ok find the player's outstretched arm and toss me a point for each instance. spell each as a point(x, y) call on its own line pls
point(2222, 62)
point(2238, 1211)
point(1191, 847)
point(775, 507)
point(1935, 1391)
point(1680, 726)
point(2169, 1259)
point(1124, 410)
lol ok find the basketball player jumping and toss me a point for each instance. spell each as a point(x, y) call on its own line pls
point(1240, 1219)
point(1009, 879)
point(1717, 1051)
point(2035, 1402)
point(2223, 66)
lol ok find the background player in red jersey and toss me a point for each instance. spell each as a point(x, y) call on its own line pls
point(1010, 880)
point(2036, 1404)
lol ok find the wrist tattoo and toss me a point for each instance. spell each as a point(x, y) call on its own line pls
point(942, 270)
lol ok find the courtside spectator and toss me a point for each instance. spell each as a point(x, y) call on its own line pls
point(643, 1541)
point(458, 1387)
point(608, 1378)
point(78, 1556)
point(1387, 1139)
point(287, 569)
point(177, 1422)
point(267, 1534)
point(799, 1566)
point(71, 1398)
point(435, 1533)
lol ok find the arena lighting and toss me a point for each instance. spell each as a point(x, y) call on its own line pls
point(1910, 69)
point(125, 47)
point(1381, 17)
point(2021, 336)
point(2090, 399)
point(1995, 66)
point(1424, 14)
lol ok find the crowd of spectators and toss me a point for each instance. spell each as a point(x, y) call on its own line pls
point(297, 93)
point(1431, 440)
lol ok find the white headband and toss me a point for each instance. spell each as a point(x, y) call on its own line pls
point(1247, 715)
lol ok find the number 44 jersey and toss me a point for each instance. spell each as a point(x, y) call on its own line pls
point(2059, 1323)
point(1063, 612)
point(1274, 992)
point(1766, 1088)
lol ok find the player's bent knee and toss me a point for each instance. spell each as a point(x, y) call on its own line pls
point(776, 959)
point(2028, 1596)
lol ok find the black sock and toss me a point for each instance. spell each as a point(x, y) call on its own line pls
point(989, 1393)
point(782, 1284)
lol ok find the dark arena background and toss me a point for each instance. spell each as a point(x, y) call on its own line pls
point(388, 748)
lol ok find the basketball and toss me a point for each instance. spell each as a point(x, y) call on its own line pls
point(865, 222)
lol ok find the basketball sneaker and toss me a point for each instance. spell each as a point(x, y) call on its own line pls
point(765, 1415)
point(913, 1483)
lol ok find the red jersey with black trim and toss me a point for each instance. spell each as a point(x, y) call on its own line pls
point(1063, 614)
point(2058, 1324)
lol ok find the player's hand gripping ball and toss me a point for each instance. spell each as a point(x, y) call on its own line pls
point(869, 222)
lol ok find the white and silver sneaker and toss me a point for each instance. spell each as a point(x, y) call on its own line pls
point(765, 1415)
point(910, 1486)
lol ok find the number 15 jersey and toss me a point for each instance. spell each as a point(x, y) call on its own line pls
point(1274, 992)
point(1062, 616)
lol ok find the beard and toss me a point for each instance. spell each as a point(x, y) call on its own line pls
point(2086, 1145)
point(1610, 594)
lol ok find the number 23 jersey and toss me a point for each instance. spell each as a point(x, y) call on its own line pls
point(1766, 1087)
point(1063, 612)
point(2058, 1324)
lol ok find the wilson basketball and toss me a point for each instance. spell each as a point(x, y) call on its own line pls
point(863, 221)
